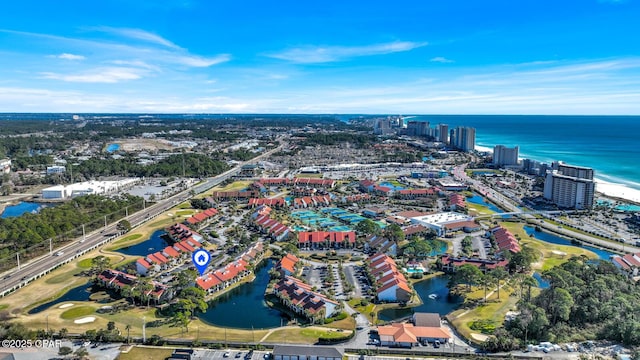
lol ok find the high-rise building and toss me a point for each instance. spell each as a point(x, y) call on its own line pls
point(382, 126)
point(443, 133)
point(463, 138)
point(570, 186)
point(504, 156)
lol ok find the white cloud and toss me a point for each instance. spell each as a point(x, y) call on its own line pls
point(440, 59)
point(67, 56)
point(198, 61)
point(138, 34)
point(323, 54)
point(99, 75)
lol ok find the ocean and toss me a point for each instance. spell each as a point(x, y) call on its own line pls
point(608, 144)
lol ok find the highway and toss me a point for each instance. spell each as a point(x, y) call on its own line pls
point(17, 278)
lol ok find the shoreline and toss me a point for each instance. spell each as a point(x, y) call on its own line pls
point(615, 191)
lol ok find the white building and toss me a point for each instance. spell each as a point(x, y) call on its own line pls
point(5, 166)
point(463, 138)
point(57, 169)
point(61, 192)
point(504, 156)
point(570, 186)
point(438, 222)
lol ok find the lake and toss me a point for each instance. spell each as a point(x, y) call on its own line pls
point(554, 239)
point(435, 298)
point(79, 293)
point(21, 208)
point(244, 307)
point(155, 243)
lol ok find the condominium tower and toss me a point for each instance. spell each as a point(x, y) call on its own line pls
point(570, 186)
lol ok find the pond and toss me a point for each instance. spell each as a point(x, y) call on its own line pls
point(435, 298)
point(155, 243)
point(113, 147)
point(554, 239)
point(542, 283)
point(21, 208)
point(438, 247)
point(244, 307)
point(478, 199)
point(80, 293)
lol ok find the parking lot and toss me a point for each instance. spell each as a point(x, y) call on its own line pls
point(230, 354)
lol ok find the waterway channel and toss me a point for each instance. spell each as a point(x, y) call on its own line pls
point(554, 239)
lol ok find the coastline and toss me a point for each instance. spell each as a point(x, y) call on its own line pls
point(604, 188)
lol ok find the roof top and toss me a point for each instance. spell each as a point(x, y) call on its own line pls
point(320, 351)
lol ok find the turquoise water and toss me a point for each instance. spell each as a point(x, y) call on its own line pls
point(21, 208)
point(609, 144)
point(113, 147)
point(155, 243)
point(628, 208)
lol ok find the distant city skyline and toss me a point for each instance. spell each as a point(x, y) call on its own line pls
point(545, 57)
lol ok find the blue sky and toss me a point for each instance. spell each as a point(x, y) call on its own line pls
point(405, 57)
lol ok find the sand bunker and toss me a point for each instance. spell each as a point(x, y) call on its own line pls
point(85, 320)
point(64, 306)
point(479, 337)
point(560, 253)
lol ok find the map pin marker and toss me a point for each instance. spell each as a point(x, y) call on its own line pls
point(201, 259)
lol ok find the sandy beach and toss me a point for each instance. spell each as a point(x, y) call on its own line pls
point(618, 191)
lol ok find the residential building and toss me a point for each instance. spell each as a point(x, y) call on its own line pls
point(326, 239)
point(391, 284)
point(629, 263)
point(504, 156)
point(443, 133)
point(463, 138)
point(504, 239)
point(570, 186)
point(287, 265)
point(113, 279)
point(300, 298)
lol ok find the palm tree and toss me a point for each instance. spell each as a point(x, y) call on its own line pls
point(128, 328)
point(499, 274)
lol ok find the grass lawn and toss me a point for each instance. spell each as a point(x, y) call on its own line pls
point(234, 186)
point(4, 306)
point(77, 312)
point(493, 311)
point(551, 254)
point(309, 176)
point(307, 335)
point(184, 212)
point(348, 323)
point(146, 353)
point(64, 277)
point(84, 263)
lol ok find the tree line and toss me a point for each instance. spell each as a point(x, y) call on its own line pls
point(29, 233)
point(584, 301)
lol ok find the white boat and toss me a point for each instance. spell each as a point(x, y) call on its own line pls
point(433, 296)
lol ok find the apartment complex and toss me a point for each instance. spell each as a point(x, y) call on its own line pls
point(463, 138)
point(504, 156)
point(570, 186)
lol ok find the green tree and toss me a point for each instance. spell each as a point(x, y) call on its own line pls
point(81, 352)
point(499, 274)
point(124, 225)
point(64, 351)
point(394, 233)
point(466, 274)
point(100, 263)
point(367, 227)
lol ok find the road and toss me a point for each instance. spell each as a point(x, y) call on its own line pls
point(18, 278)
